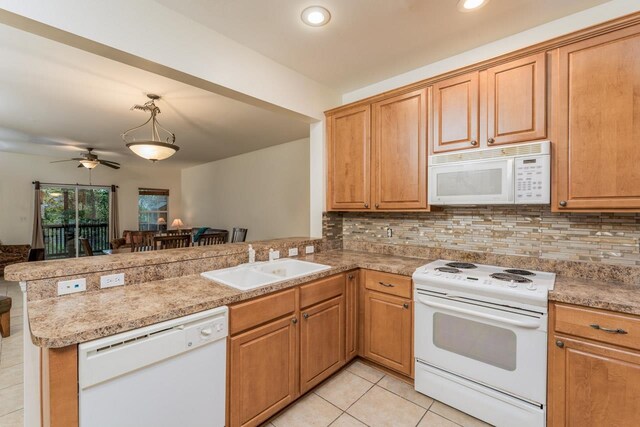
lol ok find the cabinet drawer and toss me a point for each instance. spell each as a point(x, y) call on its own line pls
point(261, 310)
point(321, 290)
point(612, 328)
point(388, 283)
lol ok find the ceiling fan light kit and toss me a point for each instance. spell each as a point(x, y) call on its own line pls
point(155, 148)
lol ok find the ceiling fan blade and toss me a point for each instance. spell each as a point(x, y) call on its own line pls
point(104, 162)
point(109, 165)
point(78, 158)
point(80, 166)
point(61, 161)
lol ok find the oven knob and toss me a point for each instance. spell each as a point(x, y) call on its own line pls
point(532, 287)
point(512, 284)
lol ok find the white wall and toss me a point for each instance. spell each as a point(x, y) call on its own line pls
point(565, 25)
point(266, 191)
point(17, 171)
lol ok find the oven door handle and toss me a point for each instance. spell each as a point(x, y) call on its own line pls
point(518, 323)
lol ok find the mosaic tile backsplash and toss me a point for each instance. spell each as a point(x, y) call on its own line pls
point(521, 231)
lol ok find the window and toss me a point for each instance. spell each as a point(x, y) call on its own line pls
point(153, 209)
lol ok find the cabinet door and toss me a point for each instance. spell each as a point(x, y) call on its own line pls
point(455, 113)
point(351, 318)
point(262, 372)
point(348, 154)
point(322, 331)
point(597, 123)
point(400, 151)
point(592, 385)
point(387, 331)
point(516, 101)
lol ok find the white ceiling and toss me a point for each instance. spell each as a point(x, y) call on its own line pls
point(56, 100)
point(368, 40)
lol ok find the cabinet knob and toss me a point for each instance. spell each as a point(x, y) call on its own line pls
point(350, 276)
point(377, 205)
point(305, 315)
point(559, 344)
point(474, 142)
point(366, 205)
point(490, 141)
point(563, 203)
point(294, 320)
point(405, 305)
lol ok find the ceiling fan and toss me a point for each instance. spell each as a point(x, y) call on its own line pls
point(90, 161)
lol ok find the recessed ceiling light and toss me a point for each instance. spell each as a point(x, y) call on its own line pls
point(470, 5)
point(315, 16)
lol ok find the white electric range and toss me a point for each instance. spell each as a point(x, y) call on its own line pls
point(481, 339)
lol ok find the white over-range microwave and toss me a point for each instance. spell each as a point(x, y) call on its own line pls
point(511, 174)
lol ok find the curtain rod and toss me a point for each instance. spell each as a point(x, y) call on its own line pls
point(38, 183)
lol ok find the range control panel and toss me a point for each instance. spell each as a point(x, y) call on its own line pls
point(533, 180)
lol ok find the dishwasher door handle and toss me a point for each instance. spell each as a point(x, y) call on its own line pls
point(504, 320)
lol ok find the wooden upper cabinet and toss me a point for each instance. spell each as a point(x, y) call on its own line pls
point(596, 104)
point(455, 113)
point(516, 101)
point(348, 154)
point(400, 151)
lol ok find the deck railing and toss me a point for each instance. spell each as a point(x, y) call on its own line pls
point(59, 239)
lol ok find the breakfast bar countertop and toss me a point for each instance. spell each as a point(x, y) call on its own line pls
point(73, 319)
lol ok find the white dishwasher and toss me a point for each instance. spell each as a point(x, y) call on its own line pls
point(168, 374)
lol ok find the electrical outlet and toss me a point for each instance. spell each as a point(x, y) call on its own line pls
point(111, 280)
point(72, 286)
point(309, 249)
point(293, 252)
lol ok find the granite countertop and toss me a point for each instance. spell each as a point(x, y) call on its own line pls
point(73, 319)
point(613, 296)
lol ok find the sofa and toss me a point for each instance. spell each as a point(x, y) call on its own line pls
point(12, 254)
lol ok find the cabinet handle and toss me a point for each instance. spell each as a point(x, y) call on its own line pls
point(608, 330)
point(366, 205)
point(490, 141)
point(387, 285)
point(563, 203)
point(294, 320)
point(474, 142)
point(305, 315)
point(405, 305)
point(559, 344)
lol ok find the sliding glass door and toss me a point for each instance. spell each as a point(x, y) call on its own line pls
point(75, 220)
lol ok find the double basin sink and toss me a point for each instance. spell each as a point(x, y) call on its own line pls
point(250, 276)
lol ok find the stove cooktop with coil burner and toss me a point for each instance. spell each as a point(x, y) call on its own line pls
point(480, 281)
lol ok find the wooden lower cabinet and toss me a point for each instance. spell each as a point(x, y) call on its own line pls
point(592, 383)
point(388, 335)
point(351, 315)
point(263, 372)
point(322, 339)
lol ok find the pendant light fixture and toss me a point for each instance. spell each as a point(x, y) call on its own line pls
point(155, 148)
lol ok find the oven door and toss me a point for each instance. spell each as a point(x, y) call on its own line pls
point(471, 183)
point(502, 348)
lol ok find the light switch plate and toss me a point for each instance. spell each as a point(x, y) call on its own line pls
point(309, 249)
point(293, 252)
point(111, 280)
point(72, 286)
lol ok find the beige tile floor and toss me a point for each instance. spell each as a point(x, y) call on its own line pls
point(361, 395)
point(11, 397)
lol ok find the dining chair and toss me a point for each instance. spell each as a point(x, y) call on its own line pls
point(143, 242)
point(86, 246)
point(172, 242)
point(211, 239)
point(238, 235)
point(178, 232)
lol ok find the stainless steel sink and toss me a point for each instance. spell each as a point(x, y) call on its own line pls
point(251, 276)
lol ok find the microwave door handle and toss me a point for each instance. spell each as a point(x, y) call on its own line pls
point(518, 323)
